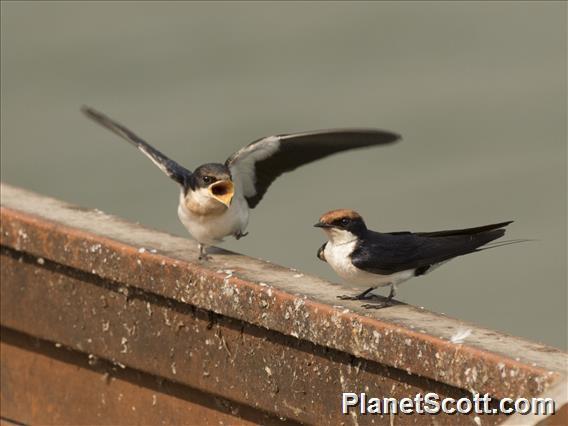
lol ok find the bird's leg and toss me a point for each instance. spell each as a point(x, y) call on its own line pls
point(392, 293)
point(387, 302)
point(240, 235)
point(361, 296)
point(203, 252)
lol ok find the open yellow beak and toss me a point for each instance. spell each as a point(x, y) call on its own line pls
point(223, 191)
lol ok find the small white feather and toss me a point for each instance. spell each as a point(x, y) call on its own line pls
point(460, 335)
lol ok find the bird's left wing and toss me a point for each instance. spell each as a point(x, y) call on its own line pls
point(258, 164)
point(321, 252)
point(175, 171)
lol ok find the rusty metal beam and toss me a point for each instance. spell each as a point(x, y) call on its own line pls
point(237, 328)
point(183, 344)
point(43, 384)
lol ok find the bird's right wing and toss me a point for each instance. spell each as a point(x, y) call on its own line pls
point(175, 171)
point(454, 232)
point(466, 231)
point(386, 254)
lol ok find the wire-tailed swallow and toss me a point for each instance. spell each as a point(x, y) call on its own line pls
point(216, 197)
point(377, 259)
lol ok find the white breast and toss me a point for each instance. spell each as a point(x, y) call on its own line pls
point(338, 257)
point(212, 229)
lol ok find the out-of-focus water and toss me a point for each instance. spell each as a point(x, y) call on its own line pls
point(477, 90)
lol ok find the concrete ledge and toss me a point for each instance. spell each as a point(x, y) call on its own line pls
point(244, 330)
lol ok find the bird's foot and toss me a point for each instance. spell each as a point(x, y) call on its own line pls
point(388, 302)
point(361, 296)
point(203, 256)
point(240, 235)
point(347, 297)
point(385, 304)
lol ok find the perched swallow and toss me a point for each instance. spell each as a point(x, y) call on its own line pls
point(215, 198)
point(377, 259)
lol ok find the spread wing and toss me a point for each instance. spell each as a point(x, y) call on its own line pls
point(258, 164)
point(178, 173)
point(386, 254)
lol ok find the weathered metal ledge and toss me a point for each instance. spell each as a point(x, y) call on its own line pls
point(233, 340)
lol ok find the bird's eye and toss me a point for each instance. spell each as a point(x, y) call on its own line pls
point(208, 179)
point(345, 221)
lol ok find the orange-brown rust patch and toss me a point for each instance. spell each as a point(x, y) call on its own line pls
point(334, 215)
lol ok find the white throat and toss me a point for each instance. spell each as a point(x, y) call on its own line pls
point(201, 202)
point(339, 236)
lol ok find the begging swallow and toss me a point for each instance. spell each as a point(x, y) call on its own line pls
point(215, 199)
point(376, 259)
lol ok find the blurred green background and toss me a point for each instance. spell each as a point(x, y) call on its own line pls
point(478, 91)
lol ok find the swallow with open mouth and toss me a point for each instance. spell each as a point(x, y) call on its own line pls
point(215, 198)
point(376, 259)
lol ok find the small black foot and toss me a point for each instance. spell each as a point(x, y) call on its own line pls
point(386, 304)
point(203, 256)
point(362, 296)
point(359, 297)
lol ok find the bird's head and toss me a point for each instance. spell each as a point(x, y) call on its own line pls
point(342, 226)
point(214, 181)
